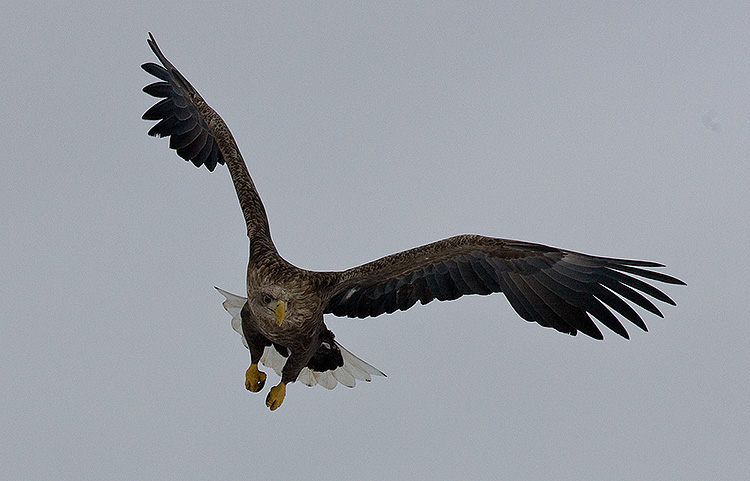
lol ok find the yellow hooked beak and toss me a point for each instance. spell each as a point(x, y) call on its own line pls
point(279, 311)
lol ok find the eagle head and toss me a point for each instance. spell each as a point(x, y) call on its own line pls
point(271, 303)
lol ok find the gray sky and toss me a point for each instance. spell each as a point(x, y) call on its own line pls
point(371, 129)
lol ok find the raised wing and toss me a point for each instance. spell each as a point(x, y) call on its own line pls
point(200, 135)
point(177, 115)
point(553, 287)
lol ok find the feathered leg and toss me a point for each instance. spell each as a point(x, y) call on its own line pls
point(294, 364)
point(255, 379)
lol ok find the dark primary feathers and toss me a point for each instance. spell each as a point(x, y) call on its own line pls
point(178, 117)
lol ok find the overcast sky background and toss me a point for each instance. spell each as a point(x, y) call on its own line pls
point(369, 129)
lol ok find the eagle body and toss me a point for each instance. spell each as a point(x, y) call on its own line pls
point(281, 321)
point(302, 326)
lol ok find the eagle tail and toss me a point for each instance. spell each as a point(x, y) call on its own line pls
point(352, 370)
point(233, 305)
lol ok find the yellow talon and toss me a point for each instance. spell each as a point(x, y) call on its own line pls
point(276, 396)
point(254, 379)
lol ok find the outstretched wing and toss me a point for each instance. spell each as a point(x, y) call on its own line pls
point(177, 114)
point(553, 287)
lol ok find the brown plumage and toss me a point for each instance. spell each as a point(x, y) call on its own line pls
point(282, 317)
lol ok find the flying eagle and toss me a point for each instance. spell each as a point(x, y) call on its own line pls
point(281, 320)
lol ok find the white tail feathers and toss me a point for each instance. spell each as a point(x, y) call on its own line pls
point(233, 304)
point(354, 368)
